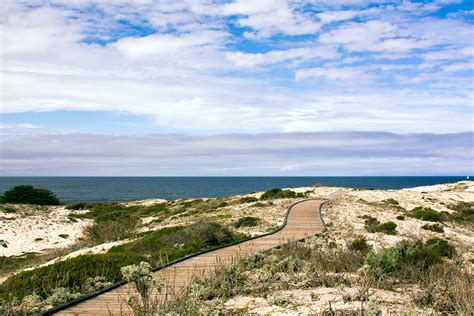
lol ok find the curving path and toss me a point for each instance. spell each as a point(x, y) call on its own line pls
point(303, 220)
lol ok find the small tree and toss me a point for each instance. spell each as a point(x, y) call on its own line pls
point(27, 194)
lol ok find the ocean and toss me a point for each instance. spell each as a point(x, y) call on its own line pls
point(72, 189)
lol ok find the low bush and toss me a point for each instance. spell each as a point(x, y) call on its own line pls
point(409, 253)
point(248, 199)
point(447, 288)
point(115, 221)
point(467, 208)
point(71, 274)
point(372, 225)
point(463, 212)
point(359, 244)
point(7, 210)
point(400, 217)
point(247, 221)
point(427, 214)
point(27, 194)
point(277, 193)
point(435, 228)
point(172, 243)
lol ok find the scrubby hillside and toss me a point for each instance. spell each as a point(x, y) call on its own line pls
point(388, 250)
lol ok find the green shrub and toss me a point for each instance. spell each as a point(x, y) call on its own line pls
point(171, 243)
point(438, 247)
point(359, 244)
point(400, 217)
point(247, 221)
point(71, 274)
point(248, 199)
point(427, 214)
point(115, 221)
point(27, 194)
point(277, 193)
point(373, 226)
point(435, 228)
point(464, 212)
point(410, 253)
point(467, 208)
point(8, 210)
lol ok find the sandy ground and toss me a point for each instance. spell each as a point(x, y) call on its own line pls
point(320, 300)
point(37, 229)
point(343, 216)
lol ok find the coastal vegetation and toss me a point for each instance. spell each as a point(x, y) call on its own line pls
point(435, 228)
point(27, 194)
point(155, 247)
point(300, 265)
point(247, 221)
point(427, 214)
point(373, 225)
point(367, 253)
point(277, 193)
point(71, 274)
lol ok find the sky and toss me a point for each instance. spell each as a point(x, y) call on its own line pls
point(238, 87)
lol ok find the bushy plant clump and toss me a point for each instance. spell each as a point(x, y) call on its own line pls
point(145, 283)
point(72, 274)
point(427, 214)
point(359, 244)
point(372, 225)
point(172, 243)
point(248, 199)
point(27, 194)
point(115, 221)
point(247, 221)
point(463, 212)
point(277, 193)
point(435, 228)
point(410, 253)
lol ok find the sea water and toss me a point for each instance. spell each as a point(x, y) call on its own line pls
point(70, 189)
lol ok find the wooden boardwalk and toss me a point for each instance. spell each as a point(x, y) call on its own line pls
point(303, 220)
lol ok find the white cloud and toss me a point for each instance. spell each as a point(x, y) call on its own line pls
point(246, 60)
point(334, 16)
point(459, 67)
point(349, 153)
point(269, 17)
point(331, 73)
point(375, 36)
point(158, 44)
point(197, 78)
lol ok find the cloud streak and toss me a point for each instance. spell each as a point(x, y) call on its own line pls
point(325, 153)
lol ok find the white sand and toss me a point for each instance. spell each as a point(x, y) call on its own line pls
point(37, 229)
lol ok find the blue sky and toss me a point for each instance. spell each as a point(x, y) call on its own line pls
point(86, 69)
